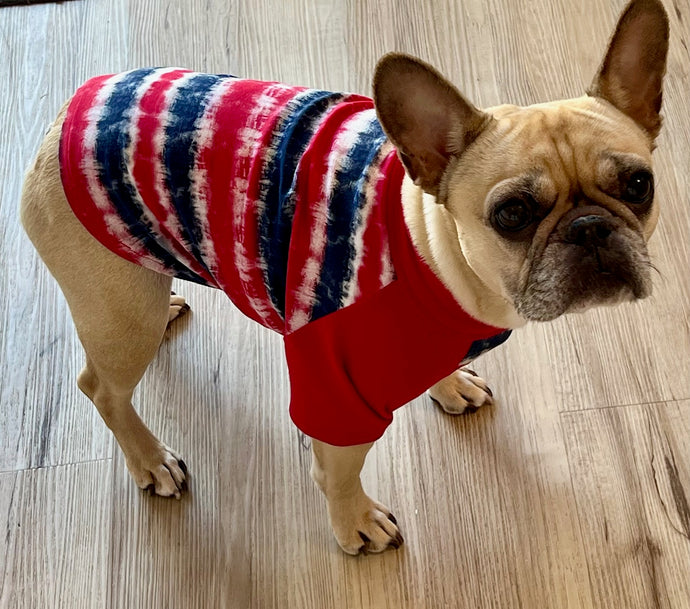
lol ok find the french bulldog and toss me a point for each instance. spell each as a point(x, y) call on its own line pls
point(366, 233)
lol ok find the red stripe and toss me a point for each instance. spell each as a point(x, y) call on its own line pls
point(255, 283)
point(235, 182)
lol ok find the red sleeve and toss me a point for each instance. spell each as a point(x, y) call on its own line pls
point(349, 370)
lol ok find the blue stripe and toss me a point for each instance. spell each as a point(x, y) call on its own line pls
point(180, 151)
point(112, 141)
point(300, 120)
point(344, 215)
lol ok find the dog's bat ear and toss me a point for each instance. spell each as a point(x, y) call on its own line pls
point(427, 119)
point(632, 72)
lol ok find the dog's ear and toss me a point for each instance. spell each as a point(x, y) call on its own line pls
point(427, 119)
point(632, 72)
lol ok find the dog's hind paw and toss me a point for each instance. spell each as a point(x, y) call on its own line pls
point(163, 473)
point(178, 307)
point(461, 392)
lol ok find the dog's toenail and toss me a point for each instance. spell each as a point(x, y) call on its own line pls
point(182, 465)
point(364, 550)
point(392, 519)
point(151, 488)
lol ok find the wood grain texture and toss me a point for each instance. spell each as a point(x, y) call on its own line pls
point(57, 533)
point(568, 494)
point(631, 475)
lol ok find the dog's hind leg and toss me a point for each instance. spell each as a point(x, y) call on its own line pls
point(120, 312)
point(119, 347)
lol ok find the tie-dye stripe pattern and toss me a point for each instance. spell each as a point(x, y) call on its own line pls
point(303, 117)
point(268, 192)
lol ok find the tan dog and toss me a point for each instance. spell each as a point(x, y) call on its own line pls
point(522, 213)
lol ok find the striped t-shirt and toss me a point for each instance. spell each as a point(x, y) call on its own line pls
point(285, 198)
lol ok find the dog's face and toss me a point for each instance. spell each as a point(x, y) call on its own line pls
point(553, 203)
point(553, 207)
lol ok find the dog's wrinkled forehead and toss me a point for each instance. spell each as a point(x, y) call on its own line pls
point(569, 145)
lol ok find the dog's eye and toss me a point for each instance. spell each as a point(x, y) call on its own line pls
point(639, 187)
point(513, 215)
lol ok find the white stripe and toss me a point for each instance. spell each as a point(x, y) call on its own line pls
point(351, 289)
point(387, 270)
point(206, 130)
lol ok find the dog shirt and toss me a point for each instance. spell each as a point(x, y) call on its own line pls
point(289, 200)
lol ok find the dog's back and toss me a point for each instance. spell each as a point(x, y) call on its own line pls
point(206, 177)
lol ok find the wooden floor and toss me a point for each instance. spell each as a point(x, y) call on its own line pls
point(572, 492)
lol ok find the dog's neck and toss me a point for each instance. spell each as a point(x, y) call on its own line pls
point(435, 237)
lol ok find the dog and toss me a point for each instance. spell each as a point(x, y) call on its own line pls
point(389, 241)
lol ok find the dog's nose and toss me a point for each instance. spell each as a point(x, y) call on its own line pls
point(588, 231)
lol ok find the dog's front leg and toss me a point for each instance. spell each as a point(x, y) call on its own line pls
point(360, 524)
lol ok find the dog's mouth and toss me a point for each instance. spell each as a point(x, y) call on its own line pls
point(596, 261)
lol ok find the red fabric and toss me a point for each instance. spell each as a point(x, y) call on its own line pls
point(350, 370)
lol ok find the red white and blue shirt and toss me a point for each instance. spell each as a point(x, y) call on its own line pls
point(288, 200)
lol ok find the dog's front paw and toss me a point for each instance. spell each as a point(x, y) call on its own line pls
point(162, 472)
point(363, 526)
point(461, 392)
